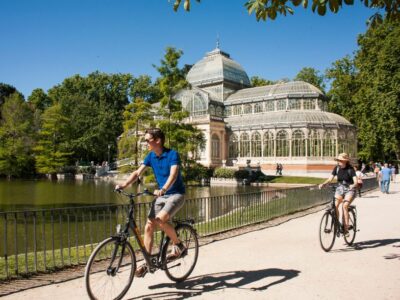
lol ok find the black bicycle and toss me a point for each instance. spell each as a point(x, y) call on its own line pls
point(111, 267)
point(330, 226)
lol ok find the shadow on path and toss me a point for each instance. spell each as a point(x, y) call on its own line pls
point(211, 282)
point(369, 244)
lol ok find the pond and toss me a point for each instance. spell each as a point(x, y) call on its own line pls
point(36, 194)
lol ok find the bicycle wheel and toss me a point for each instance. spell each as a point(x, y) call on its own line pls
point(110, 269)
point(179, 269)
point(353, 228)
point(327, 231)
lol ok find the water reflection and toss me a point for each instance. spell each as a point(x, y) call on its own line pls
point(31, 194)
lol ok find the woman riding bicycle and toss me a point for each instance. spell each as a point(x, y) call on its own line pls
point(170, 195)
point(346, 189)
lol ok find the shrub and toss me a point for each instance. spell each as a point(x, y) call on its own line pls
point(224, 172)
point(69, 170)
point(242, 174)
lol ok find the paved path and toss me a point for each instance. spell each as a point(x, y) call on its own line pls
point(282, 262)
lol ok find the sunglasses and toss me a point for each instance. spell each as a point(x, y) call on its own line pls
point(149, 140)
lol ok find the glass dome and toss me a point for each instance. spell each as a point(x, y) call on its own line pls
point(215, 67)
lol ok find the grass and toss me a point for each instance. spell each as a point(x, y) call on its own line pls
point(294, 179)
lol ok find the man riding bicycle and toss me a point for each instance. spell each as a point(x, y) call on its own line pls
point(169, 197)
point(346, 189)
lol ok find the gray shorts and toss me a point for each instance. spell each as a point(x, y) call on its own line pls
point(343, 191)
point(168, 203)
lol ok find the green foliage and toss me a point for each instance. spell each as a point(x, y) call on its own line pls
point(311, 76)
point(137, 117)
point(87, 170)
point(69, 170)
point(242, 174)
point(258, 81)
point(222, 172)
point(52, 154)
point(195, 172)
point(5, 91)
point(343, 86)
point(16, 137)
point(94, 106)
point(270, 9)
point(366, 91)
point(39, 100)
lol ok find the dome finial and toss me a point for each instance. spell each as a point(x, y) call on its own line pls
point(217, 41)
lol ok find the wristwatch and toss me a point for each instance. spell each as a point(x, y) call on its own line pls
point(163, 190)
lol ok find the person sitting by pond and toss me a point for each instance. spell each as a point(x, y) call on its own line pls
point(346, 189)
point(169, 197)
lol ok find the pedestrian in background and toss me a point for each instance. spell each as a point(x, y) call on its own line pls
point(384, 176)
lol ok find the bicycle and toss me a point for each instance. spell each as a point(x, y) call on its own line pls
point(330, 226)
point(111, 267)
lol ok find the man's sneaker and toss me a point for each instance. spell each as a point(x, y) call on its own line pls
point(141, 271)
point(177, 252)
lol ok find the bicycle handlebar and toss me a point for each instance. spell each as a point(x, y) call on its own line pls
point(132, 195)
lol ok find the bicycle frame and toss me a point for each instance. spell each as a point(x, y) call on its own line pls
point(153, 261)
point(339, 225)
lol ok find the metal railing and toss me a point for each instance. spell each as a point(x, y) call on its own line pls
point(49, 239)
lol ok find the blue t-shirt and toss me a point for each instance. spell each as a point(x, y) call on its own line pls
point(161, 166)
point(386, 173)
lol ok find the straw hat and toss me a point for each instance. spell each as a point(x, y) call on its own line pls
point(343, 157)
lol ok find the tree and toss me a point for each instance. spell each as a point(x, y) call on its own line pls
point(137, 116)
point(5, 91)
point(378, 98)
point(258, 81)
point(39, 100)
point(311, 76)
point(94, 106)
point(171, 80)
point(16, 137)
point(366, 90)
point(344, 85)
point(270, 9)
point(51, 146)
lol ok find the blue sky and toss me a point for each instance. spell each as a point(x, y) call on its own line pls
point(45, 41)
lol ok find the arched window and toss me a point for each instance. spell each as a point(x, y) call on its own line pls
point(218, 111)
point(282, 143)
point(256, 145)
point(212, 110)
point(247, 109)
point(342, 142)
point(237, 110)
point(228, 111)
point(308, 104)
point(244, 145)
point(314, 144)
point(268, 144)
point(197, 105)
point(294, 104)
point(258, 107)
point(329, 144)
point(270, 105)
point(215, 146)
point(233, 146)
point(298, 143)
point(352, 144)
point(281, 105)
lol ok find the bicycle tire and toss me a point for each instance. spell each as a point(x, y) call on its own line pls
point(179, 269)
point(101, 278)
point(327, 231)
point(353, 222)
